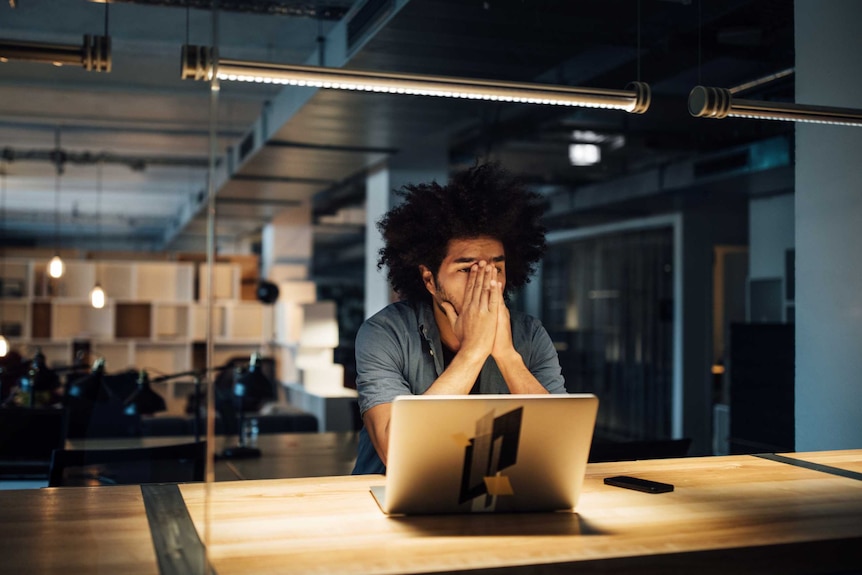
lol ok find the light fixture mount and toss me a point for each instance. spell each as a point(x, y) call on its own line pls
point(708, 102)
point(94, 54)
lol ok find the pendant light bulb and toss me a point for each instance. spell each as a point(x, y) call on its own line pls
point(4, 346)
point(56, 267)
point(97, 296)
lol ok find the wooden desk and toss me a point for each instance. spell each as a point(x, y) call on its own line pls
point(848, 459)
point(283, 454)
point(296, 455)
point(735, 514)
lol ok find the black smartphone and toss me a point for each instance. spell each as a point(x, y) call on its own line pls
point(638, 484)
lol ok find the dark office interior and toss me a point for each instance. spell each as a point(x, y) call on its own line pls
point(701, 277)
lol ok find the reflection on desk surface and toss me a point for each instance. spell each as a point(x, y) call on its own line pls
point(732, 514)
point(847, 459)
point(283, 454)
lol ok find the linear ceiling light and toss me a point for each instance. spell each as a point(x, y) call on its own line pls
point(706, 102)
point(197, 64)
point(93, 55)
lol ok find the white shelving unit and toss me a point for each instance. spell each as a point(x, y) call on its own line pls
point(248, 322)
point(117, 278)
point(152, 319)
point(226, 278)
point(15, 280)
point(16, 318)
point(165, 282)
point(118, 355)
point(305, 337)
point(76, 319)
point(199, 322)
point(162, 357)
point(170, 321)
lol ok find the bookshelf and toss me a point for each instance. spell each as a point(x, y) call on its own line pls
point(154, 318)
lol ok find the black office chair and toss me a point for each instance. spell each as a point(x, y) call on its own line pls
point(179, 463)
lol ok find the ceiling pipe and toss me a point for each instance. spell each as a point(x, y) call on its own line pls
point(745, 87)
point(135, 163)
point(330, 10)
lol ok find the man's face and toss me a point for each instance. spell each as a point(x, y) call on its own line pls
point(451, 280)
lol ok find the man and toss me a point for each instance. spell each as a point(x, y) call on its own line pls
point(453, 253)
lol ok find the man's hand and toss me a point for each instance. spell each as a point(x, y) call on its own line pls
point(475, 327)
point(503, 344)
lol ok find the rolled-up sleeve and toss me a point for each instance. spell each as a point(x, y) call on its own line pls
point(379, 364)
point(543, 361)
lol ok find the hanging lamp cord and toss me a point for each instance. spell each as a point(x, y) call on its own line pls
point(58, 158)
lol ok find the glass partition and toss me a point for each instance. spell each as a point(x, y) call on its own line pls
point(608, 305)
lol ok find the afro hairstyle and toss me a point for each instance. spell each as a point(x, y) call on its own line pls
point(482, 201)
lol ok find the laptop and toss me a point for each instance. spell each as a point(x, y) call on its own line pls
point(486, 453)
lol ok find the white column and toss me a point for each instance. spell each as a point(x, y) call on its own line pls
point(828, 231)
point(425, 163)
point(287, 244)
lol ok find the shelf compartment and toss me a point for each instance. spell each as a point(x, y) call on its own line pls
point(164, 282)
point(117, 279)
point(15, 322)
point(76, 282)
point(118, 355)
point(81, 321)
point(199, 322)
point(170, 322)
point(248, 321)
point(15, 280)
point(40, 320)
point(133, 320)
point(162, 357)
point(226, 278)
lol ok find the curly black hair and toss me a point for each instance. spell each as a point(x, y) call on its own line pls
point(484, 200)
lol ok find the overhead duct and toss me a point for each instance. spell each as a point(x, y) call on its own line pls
point(365, 20)
point(756, 158)
point(136, 163)
point(330, 10)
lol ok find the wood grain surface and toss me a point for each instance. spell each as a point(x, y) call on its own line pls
point(727, 514)
point(735, 514)
point(75, 530)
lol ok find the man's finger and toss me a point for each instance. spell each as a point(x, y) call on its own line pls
point(472, 281)
point(496, 295)
point(486, 288)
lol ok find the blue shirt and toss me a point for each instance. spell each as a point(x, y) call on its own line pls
point(399, 352)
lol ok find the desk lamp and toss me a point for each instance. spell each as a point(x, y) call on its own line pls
point(89, 387)
point(248, 383)
point(85, 394)
point(39, 379)
point(12, 367)
point(195, 400)
point(144, 401)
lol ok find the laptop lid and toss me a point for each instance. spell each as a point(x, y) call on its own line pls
point(487, 453)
